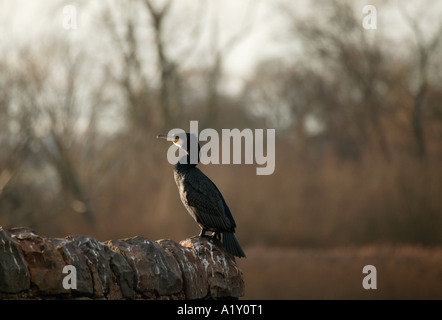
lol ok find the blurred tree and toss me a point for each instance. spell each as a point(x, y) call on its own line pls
point(122, 25)
point(425, 50)
point(144, 29)
point(339, 82)
point(15, 143)
point(219, 51)
point(44, 108)
point(169, 79)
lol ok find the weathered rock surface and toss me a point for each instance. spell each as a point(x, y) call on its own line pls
point(14, 274)
point(224, 277)
point(72, 255)
point(31, 267)
point(195, 283)
point(156, 271)
point(45, 263)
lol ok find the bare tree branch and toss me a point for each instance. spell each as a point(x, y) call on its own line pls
point(425, 48)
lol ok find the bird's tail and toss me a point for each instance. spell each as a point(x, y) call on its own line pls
point(232, 246)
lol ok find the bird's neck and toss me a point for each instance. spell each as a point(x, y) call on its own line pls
point(183, 167)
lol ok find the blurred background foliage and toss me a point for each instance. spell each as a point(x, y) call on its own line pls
point(357, 113)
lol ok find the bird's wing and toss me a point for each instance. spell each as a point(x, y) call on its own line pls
point(207, 203)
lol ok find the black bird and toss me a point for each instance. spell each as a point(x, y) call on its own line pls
point(201, 197)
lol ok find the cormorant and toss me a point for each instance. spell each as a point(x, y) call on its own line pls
point(202, 199)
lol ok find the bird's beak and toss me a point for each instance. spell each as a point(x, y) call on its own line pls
point(172, 138)
point(166, 137)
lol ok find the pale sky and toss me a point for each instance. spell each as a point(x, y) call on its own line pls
point(36, 21)
point(24, 20)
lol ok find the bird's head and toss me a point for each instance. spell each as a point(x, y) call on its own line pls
point(183, 141)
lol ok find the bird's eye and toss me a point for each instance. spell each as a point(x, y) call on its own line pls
point(176, 139)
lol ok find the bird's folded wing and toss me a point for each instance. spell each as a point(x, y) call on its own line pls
point(207, 203)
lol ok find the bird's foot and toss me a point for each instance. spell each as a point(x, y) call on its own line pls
point(216, 236)
point(203, 233)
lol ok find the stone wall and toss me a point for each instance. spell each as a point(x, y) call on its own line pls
point(33, 267)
